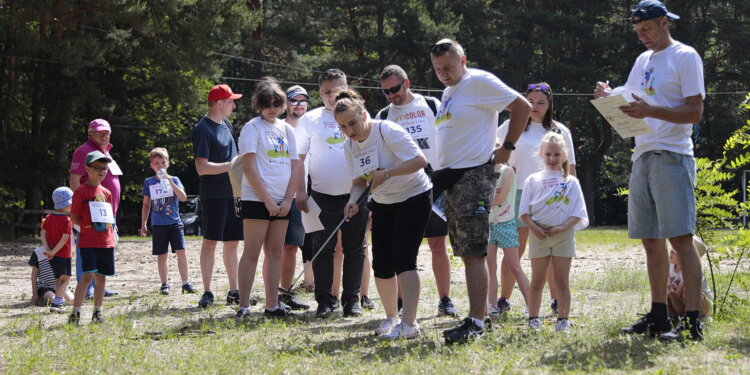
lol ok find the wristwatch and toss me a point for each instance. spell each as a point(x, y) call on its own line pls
point(508, 145)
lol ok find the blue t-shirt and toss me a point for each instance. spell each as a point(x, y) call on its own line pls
point(216, 143)
point(164, 211)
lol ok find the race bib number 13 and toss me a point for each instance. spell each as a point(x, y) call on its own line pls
point(101, 212)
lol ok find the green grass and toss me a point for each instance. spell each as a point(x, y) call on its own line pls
point(152, 334)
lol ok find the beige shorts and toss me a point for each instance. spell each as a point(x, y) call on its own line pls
point(562, 245)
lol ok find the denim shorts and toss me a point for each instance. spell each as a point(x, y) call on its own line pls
point(162, 236)
point(295, 232)
point(661, 203)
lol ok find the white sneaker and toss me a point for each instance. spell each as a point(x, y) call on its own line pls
point(402, 331)
point(387, 325)
point(243, 312)
point(562, 325)
point(526, 312)
point(492, 311)
point(535, 324)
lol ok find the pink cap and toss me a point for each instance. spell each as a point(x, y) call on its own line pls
point(99, 125)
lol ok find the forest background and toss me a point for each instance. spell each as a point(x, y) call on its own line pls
point(146, 67)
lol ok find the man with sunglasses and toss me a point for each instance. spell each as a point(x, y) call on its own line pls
point(671, 73)
point(214, 146)
point(416, 113)
point(466, 124)
point(99, 134)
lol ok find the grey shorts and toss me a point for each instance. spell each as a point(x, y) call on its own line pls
point(661, 203)
point(469, 229)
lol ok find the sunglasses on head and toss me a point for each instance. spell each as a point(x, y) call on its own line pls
point(302, 102)
point(539, 86)
point(393, 89)
point(440, 48)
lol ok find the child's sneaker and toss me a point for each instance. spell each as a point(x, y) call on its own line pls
point(402, 331)
point(57, 308)
point(188, 288)
point(503, 305)
point(280, 312)
point(74, 318)
point(562, 325)
point(233, 297)
point(243, 312)
point(165, 289)
point(535, 324)
point(526, 312)
point(493, 312)
point(387, 325)
point(553, 306)
point(98, 317)
point(446, 307)
point(366, 303)
point(207, 299)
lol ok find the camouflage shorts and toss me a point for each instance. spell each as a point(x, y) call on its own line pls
point(469, 230)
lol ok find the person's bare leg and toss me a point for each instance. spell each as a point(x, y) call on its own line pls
point(675, 306)
point(364, 288)
point(552, 283)
point(338, 265)
point(691, 270)
point(409, 286)
point(161, 264)
point(309, 277)
point(492, 274)
point(100, 282)
point(657, 263)
point(61, 286)
point(538, 278)
point(388, 291)
point(272, 248)
point(182, 266)
point(476, 283)
point(507, 279)
point(208, 252)
point(230, 262)
point(514, 264)
point(254, 232)
point(562, 273)
point(81, 288)
point(288, 265)
point(441, 265)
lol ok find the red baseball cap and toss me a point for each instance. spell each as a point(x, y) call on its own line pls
point(220, 92)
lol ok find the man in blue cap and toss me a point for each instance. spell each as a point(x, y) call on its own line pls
point(671, 73)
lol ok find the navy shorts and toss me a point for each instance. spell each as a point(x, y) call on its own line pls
point(164, 235)
point(295, 232)
point(60, 266)
point(220, 220)
point(258, 211)
point(98, 260)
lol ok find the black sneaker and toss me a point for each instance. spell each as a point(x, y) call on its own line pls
point(462, 334)
point(110, 293)
point(352, 308)
point(293, 303)
point(446, 307)
point(243, 312)
point(57, 308)
point(233, 297)
point(324, 311)
point(207, 299)
point(684, 329)
point(188, 288)
point(367, 303)
point(280, 312)
point(503, 305)
point(165, 288)
point(649, 326)
point(253, 300)
point(74, 317)
point(336, 304)
point(553, 306)
point(98, 317)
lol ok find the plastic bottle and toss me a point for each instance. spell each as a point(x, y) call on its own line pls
point(164, 183)
point(481, 209)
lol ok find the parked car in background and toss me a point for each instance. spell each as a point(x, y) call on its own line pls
point(190, 214)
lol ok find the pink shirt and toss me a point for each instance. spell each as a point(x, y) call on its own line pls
point(78, 166)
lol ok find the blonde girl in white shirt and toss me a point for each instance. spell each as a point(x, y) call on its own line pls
point(553, 208)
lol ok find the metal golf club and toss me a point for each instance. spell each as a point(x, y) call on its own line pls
point(291, 291)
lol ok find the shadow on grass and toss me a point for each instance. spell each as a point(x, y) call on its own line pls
point(616, 353)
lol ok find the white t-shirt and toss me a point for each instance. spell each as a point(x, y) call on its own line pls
point(505, 211)
point(668, 77)
point(393, 147)
point(306, 164)
point(551, 201)
point(418, 120)
point(319, 136)
point(467, 119)
point(275, 147)
point(525, 158)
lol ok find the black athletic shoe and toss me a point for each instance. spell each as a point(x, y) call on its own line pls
point(293, 302)
point(98, 317)
point(683, 330)
point(253, 301)
point(336, 304)
point(74, 317)
point(207, 299)
point(352, 308)
point(233, 297)
point(188, 288)
point(324, 311)
point(367, 303)
point(462, 334)
point(553, 306)
point(165, 289)
point(110, 293)
point(278, 313)
point(446, 307)
point(649, 326)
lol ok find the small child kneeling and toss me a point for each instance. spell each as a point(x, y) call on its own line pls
point(675, 288)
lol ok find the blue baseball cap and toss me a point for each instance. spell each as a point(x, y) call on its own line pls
point(648, 9)
point(62, 197)
point(296, 90)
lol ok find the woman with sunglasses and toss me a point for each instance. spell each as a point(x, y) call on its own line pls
point(270, 164)
point(525, 161)
point(384, 154)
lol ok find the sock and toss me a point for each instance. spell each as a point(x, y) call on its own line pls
point(478, 322)
point(186, 282)
point(560, 319)
point(76, 309)
point(273, 308)
point(692, 316)
point(533, 317)
point(98, 308)
point(659, 310)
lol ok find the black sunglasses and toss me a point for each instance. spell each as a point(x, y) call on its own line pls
point(393, 89)
point(440, 48)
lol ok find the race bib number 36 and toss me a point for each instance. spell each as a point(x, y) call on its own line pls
point(101, 212)
point(364, 162)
